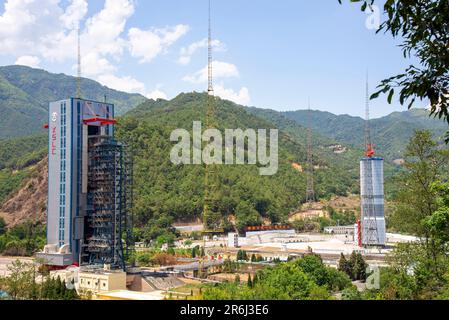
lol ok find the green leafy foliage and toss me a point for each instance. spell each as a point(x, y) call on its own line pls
point(10, 181)
point(420, 269)
point(2, 226)
point(355, 267)
point(20, 153)
point(302, 279)
point(426, 163)
point(423, 28)
point(23, 240)
point(21, 284)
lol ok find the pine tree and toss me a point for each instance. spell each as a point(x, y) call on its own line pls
point(360, 267)
point(344, 265)
point(255, 279)
point(250, 283)
point(239, 255)
point(352, 266)
point(63, 293)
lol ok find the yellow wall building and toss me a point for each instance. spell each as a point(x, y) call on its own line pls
point(101, 281)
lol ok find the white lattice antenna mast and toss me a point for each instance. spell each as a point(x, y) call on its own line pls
point(210, 89)
point(310, 197)
point(368, 142)
point(211, 219)
point(78, 78)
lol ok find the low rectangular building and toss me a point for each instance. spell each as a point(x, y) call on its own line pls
point(101, 281)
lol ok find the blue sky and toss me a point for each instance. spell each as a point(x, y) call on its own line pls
point(269, 54)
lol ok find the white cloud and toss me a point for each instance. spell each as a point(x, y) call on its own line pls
point(242, 97)
point(25, 23)
point(187, 52)
point(103, 30)
point(157, 94)
point(184, 60)
point(126, 84)
point(35, 31)
point(29, 61)
point(93, 64)
point(148, 44)
point(130, 85)
point(44, 30)
point(76, 11)
point(220, 70)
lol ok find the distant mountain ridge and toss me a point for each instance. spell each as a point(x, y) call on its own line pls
point(25, 93)
point(390, 134)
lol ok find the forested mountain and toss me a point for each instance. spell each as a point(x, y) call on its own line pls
point(390, 133)
point(25, 93)
point(323, 147)
point(164, 191)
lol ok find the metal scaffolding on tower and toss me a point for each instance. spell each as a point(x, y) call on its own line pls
point(110, 220)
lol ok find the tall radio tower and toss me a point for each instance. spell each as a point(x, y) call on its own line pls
point(368, 143)
point(210, 88)
point(78, 78)
point(211, 219)
point(310, 196)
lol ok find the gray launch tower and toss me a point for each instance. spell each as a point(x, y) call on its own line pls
point(89, 219)
point(372, 224)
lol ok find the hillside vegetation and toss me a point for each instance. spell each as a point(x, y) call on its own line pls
point(17, 160)
point(390, 133)
point(26, 92)
point(166, 191)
